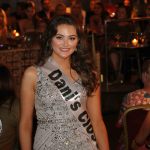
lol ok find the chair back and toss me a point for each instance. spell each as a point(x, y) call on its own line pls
point(133, 119)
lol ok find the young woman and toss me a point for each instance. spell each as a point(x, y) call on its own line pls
point(65, 92)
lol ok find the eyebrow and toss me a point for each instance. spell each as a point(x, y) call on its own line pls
point(68, 35)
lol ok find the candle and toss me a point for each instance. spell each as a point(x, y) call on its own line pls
point(68, 10)
point(134, 42)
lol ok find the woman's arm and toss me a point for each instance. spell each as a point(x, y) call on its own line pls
point(27, 107)
point(95, 114)
point(143, 133)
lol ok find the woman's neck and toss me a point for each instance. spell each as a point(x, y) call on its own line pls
point(62, 62)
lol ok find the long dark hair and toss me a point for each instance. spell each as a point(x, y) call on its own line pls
point(7, 91)
point(80, 60)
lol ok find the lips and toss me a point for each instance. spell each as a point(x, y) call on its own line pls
point(65, 49)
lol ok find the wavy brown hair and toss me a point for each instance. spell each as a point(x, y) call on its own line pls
point(80, 60)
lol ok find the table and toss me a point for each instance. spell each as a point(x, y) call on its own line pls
point(128, 51)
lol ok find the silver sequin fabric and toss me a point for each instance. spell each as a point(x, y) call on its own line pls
point(57, 127)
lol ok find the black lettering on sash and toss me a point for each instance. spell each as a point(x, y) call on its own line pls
point(55, 75)
point(85, 124)
point(65, 91)
point(77, 97)
point(75, 106)
point(71, 96)
point(93, 137)
point(68, 94)
point(82, 115)
point(60, 83)
point(89, 129)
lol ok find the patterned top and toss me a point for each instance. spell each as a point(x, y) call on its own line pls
point(135, 98)
point(57, 127)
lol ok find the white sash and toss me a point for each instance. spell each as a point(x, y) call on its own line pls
point(71, 97)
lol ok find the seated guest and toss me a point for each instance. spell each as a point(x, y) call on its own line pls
point(3, 26)
point(19, 12)
point(60, 9)
point(137, 97)
point(40, 26)
point(118, 32)
point(77, 13)
point(142, 139)
point(12, 22)
point(47, 11)
point(27, 24)
point(9, 111)
point(90, 12)
point(96, 24)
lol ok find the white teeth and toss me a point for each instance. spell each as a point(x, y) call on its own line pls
point(65, 49)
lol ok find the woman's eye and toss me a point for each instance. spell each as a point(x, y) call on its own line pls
point(72, 38)
point(58, 37)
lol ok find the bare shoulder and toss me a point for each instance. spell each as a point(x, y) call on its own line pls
point(30, 70)
point(30, 73)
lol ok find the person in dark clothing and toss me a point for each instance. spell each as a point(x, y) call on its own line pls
point(9, 111)
point(46, 13)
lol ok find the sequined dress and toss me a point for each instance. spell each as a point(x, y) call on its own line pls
point(57, 127)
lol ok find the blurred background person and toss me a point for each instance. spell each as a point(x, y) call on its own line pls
point(118, 32)
point(9, 111)
point(54, 3)
point(46, 13)
point(135, 98)
point(138, 9)
point(60, 9)
point(3, 26)
point(96, 24)
point(27, 24)
point(90, 12)
point(77, 13)
point(19, 12)
point(142, 139)
point(40, 26)
point(12, 22)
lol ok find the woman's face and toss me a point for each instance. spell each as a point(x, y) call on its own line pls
point(65, 41)
point(30, 12)
point(97, 9)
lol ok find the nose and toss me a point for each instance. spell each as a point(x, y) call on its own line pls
point(65, 42)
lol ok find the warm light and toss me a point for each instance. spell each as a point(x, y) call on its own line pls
point(126, 2)
point(112, 14)
point(135, 42)
point(68, 10)
point(14, 31)
point(16, 34)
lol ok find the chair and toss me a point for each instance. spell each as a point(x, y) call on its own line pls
point(133, 119)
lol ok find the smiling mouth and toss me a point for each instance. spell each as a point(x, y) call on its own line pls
point(65, 49)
